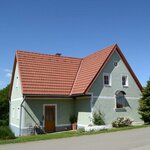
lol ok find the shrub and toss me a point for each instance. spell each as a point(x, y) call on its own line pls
point(4, 122)
point(98, 118)
point(144, 108)
point(6, 133)
point(122, 122)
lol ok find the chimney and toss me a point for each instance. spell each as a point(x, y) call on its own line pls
point(58, 54)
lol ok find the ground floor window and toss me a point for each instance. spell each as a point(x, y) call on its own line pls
point(120, 99)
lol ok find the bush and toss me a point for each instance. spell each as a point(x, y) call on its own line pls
point(4, 106)
point(6, 133)
point(98, 118)
point(122, 122)
point(144, 108)
point(4, 122)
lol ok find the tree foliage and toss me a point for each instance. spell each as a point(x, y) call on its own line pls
point(4, 106)
point(144, 108)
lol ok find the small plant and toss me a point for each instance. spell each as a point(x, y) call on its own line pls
point(73, 119)
point(98, 118)
point(122, 122)
point(6, 133)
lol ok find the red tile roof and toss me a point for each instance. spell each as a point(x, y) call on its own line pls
point(46, 74)
point(89, 68)
point(43, 74)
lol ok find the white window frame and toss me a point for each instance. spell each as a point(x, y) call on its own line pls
point(127, 83)
point(109, 77)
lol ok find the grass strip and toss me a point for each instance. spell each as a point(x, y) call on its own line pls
point(65, 134)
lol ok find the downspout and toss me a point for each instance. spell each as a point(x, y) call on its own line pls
point(20, 123)
point(91, 105)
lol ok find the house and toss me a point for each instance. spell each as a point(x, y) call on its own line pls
point(48, 89)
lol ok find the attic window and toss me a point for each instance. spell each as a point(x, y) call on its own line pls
point(125, 80)
point(106, 79)
point(120, 99)
point(115, 63)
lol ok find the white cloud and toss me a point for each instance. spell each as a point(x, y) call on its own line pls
point(8, 73)
point(2, 85)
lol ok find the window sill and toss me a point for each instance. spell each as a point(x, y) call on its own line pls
point(120, 110)
point(125, 86)
point(107, 85)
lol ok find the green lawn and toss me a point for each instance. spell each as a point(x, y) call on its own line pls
point(64, 134)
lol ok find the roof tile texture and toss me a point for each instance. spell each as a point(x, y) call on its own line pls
point(47, 74)
point(43, 74)
point(89, 68)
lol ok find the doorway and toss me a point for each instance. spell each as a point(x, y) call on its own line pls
point(49, 118)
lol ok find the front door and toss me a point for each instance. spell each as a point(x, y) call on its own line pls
point(49, 118)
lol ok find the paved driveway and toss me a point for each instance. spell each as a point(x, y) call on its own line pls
point(137, 139)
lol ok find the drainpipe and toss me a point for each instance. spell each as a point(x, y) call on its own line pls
point(91, 105)
point(20, 123)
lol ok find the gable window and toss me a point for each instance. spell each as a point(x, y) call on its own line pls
point(106, 79)
point(115, 63)
point(120, 99)
point(124, 80)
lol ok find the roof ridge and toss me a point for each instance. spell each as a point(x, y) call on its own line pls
point(103, 64)
point(90, 58)
point(101, 50)
point(38, 53)
point(76, 76)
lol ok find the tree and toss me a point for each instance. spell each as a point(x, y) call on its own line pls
point(144, 109)
point(4, 106)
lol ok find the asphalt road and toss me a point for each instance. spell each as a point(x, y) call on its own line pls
point(137, 139)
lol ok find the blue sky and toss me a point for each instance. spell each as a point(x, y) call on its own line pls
point(75, 28)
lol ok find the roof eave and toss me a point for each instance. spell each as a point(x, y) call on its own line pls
point(129, 68)
point(12, 78)
point(115, 48)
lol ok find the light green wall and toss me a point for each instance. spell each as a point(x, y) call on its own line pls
point(104, 96)
point(15, 112)
point(116, 73)
point(16, 99)
point(65, 109)
point(16, 90)
point(110, 113)
point(82, 104)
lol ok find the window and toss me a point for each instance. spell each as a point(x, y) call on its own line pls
point(106, 79)
point(120, 99)
point(124, 80)
point(115, 63)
